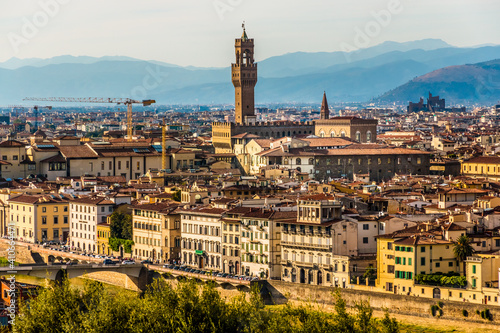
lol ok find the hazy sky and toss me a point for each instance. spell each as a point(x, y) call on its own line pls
point(201, 32)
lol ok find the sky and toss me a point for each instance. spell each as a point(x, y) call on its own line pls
point(202, 32)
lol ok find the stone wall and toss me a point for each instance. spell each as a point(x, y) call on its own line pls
point(279, 292)
point(23, 252)
point(329, 166)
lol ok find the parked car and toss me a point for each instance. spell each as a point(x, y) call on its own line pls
point(128, 262)
point(147, 261)
point(108, 262)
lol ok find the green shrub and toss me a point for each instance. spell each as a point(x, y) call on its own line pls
point(486, 314)
point(434, 309)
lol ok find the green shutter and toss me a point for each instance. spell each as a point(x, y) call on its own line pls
point(473, 269)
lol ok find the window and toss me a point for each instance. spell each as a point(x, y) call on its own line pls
point(298, 161)
point(56, 219)
point(422, 261)
point(44, 219)
point(422, 249)
point(365, 240)
point(44, 209)
point(366, 226)
point(14, 157)
point(473, 269)
point(474, 283)
point(438, 265)
point(119, 165)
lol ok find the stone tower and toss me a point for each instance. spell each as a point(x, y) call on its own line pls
point(244, 77)
point(325, 112)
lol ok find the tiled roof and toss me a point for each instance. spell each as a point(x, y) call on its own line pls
point(11, 143)
point(484, 160)
point(77, 152)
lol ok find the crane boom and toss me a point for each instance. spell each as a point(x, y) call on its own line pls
point(126, 101)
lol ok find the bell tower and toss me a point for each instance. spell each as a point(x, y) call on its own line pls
point(244, 77)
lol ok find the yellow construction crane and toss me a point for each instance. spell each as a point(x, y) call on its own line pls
point(126, 101)
point(163, 146)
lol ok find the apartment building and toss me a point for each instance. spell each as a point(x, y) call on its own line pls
point(201, 244)
point(404, 254)
point(258, 244)
point(40, 218)
point(307, 242)
point(147, 226)
point(86, 213)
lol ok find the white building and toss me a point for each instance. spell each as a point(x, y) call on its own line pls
point(201, 237)
point(86, 213)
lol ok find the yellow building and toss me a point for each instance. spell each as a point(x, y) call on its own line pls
point(40, 218)
point(12, 157)
point(404, 254)
point(482, 276)
point(156, 231)
point(484, 166)
point(103, 234)
point(487, 202)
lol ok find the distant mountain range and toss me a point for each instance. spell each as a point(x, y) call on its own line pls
point(388, 72)
point(458, 84)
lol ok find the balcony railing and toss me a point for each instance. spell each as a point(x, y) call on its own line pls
point(321, 246)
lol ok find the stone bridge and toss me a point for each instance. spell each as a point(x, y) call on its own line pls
point(240, 284)
point(136, 274)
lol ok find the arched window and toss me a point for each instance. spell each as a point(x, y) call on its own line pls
point(298, 161)
point(358, 136)
point(369, 136)
point(332, 134)
point(342, 134)
point(322, 134)
point(311, 161)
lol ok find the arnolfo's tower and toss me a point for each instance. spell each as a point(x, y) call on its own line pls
point(244, 77)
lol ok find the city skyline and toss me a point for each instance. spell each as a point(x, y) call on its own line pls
point(151, 31)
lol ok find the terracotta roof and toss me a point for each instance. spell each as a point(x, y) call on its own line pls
point(158, 206)
point(93, 200)
point(484, 160)
point(203, 210)
point(11, 143)
point(77, 152)
point(321, 196)
point(55, 158)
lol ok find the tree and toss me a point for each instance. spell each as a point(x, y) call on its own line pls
point(121, 225)
point(463, 249)
point(369, 273)
point(176, 196)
